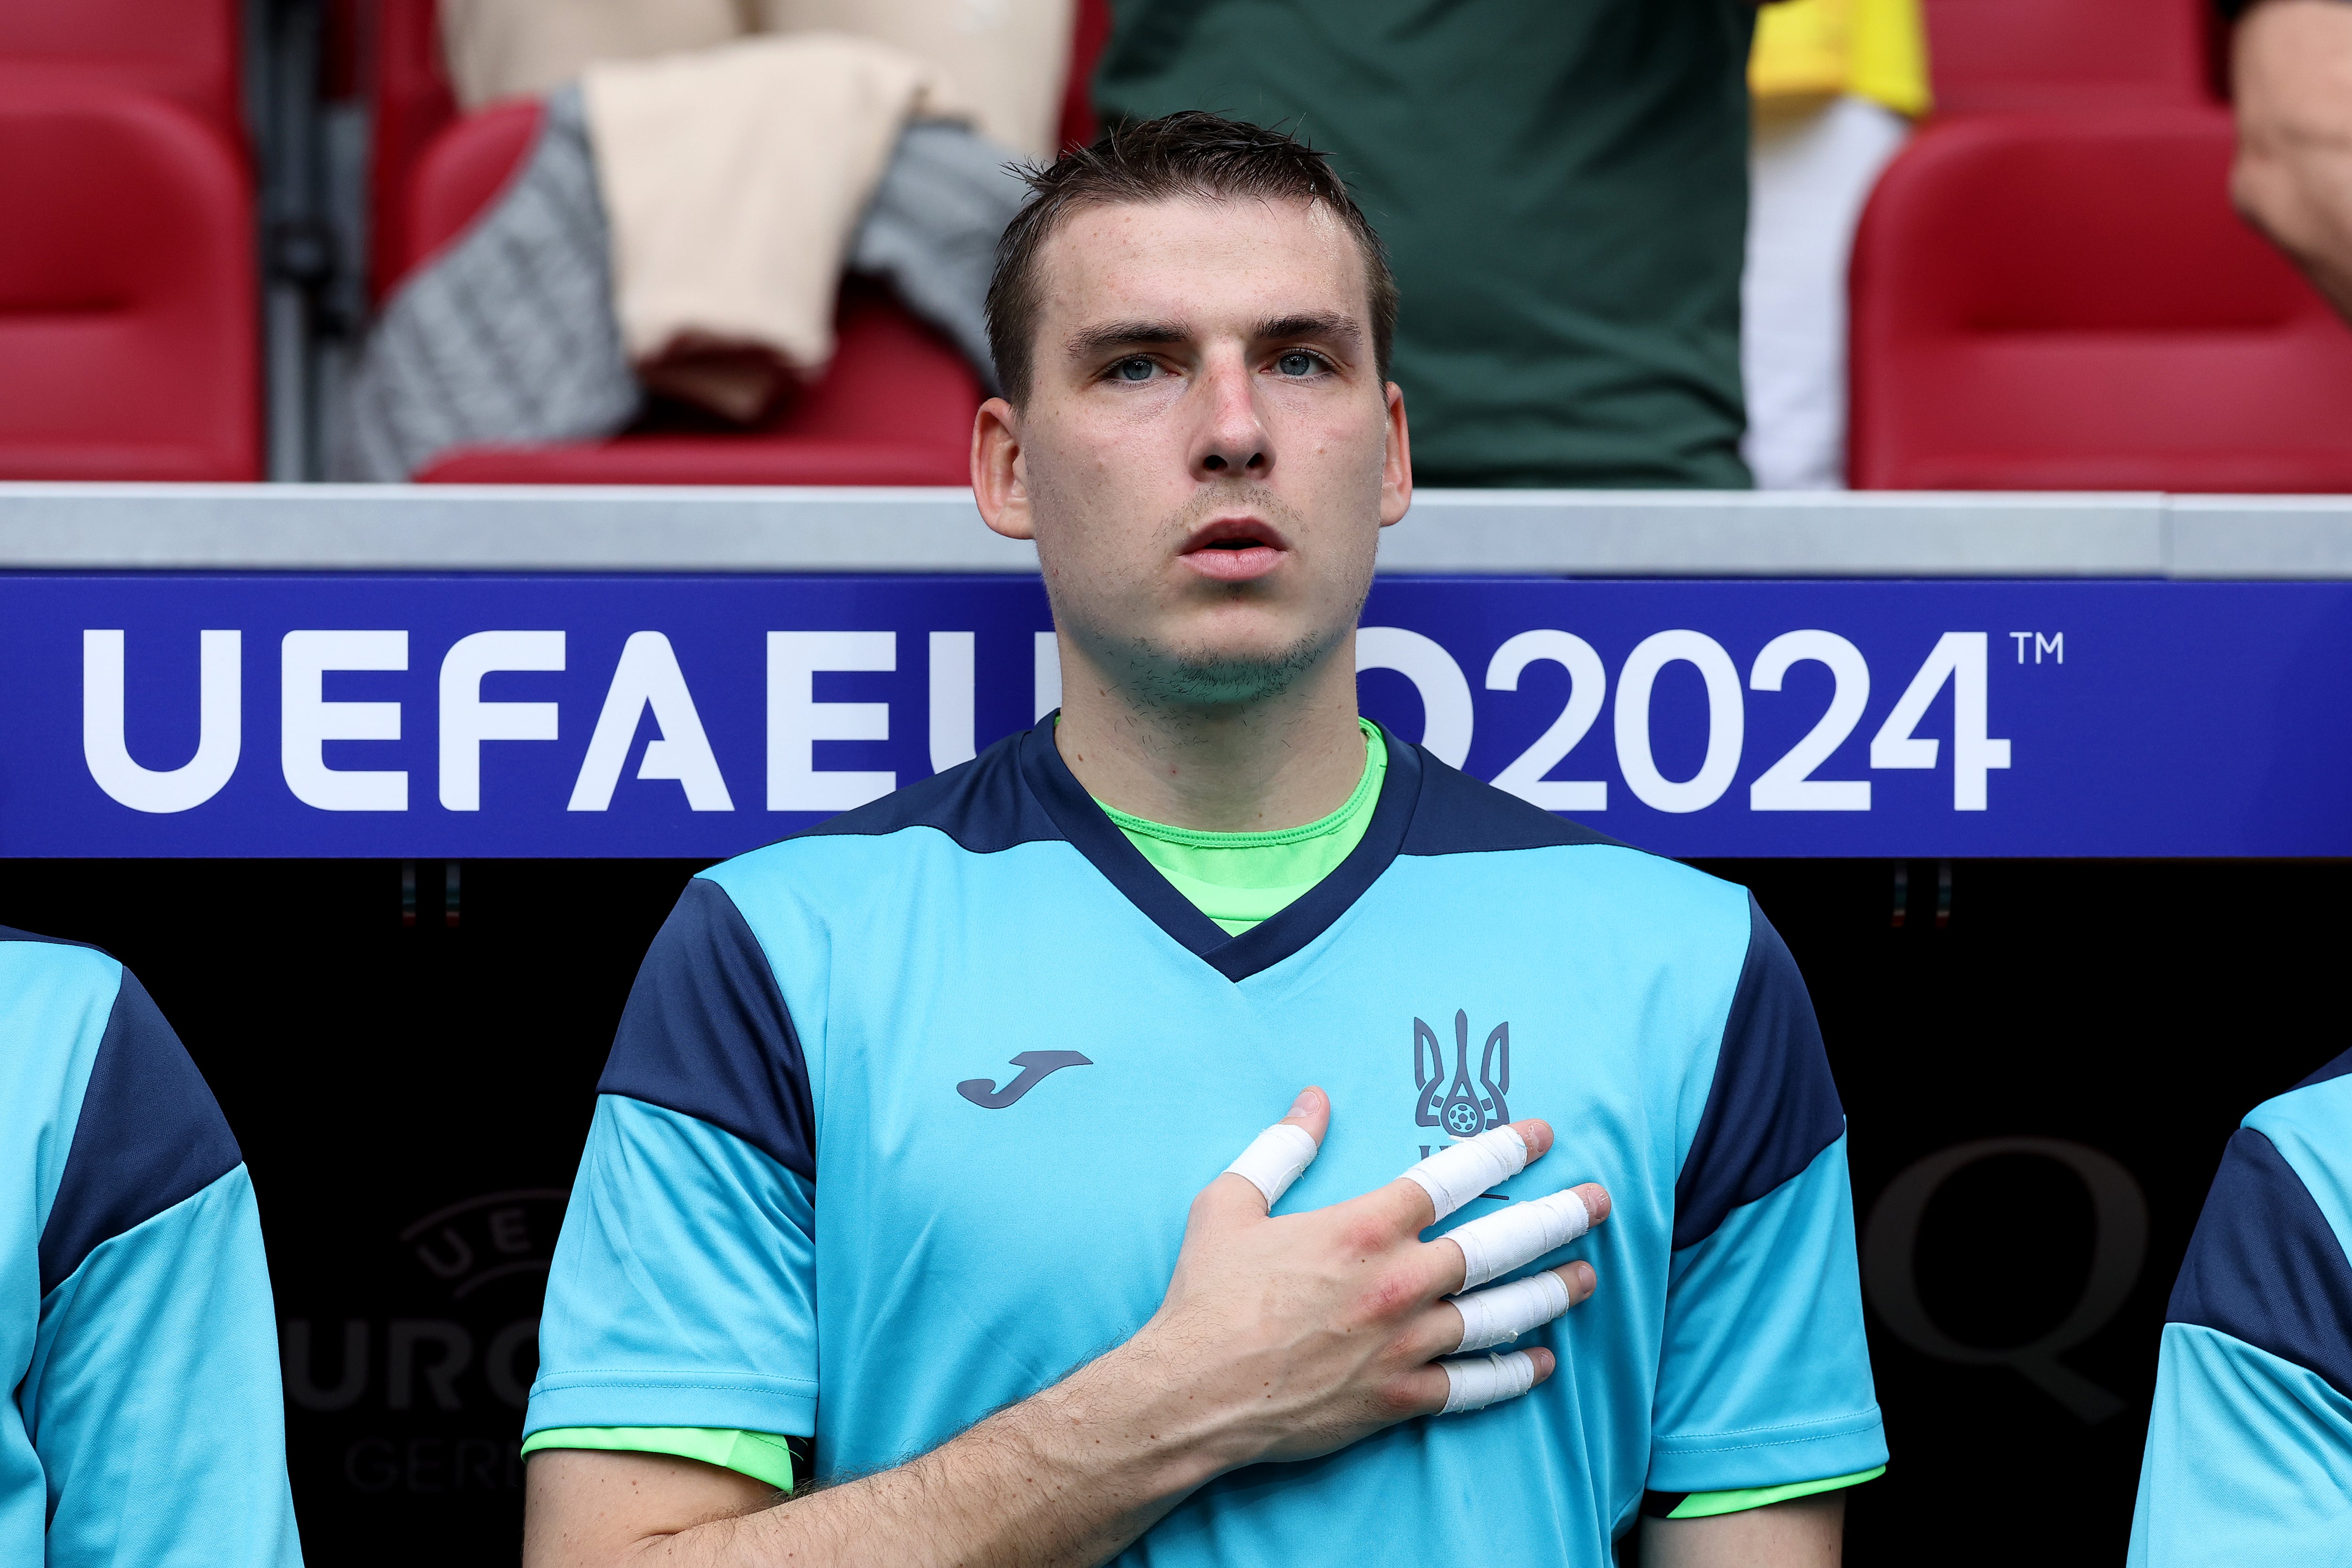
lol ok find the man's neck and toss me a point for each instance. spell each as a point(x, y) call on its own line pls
point(1281, 762)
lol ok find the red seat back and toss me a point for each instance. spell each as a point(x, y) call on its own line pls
point(128, 321)
point(460, 172)
point(184, 50)
point(894, 408)
point(1998, 56)
point(2069, 302)
point(412, 104)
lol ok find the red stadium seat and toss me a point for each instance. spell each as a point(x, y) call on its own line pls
point(413, 103)
point(128, 317)
point(184, 50)
point(2068, 303)
point(1090, 31)
point(893, 408)
point(460, 174)
point(2001, 55)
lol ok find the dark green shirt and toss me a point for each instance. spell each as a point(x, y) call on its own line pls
point(1563, 188)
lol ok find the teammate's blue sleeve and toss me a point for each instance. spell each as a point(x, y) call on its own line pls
point(2249, 1458)
point(153, 1396)
point(682, 1290)
point(1764, 1374)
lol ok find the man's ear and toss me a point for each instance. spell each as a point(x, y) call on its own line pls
point(1396, 467)
point(1000, 481)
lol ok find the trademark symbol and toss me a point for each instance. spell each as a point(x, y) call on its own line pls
point(2052, 644)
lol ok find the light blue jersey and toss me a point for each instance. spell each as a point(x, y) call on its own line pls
point(144, 1424)
point(2249, 1460)
point(905, 1115)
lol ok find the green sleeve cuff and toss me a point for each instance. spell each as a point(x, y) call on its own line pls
point(1706, 1504)
point(760, 1455)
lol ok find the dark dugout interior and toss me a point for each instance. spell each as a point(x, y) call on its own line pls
point(2041, 1061)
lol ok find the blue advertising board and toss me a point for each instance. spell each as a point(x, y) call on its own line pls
point(469, 716)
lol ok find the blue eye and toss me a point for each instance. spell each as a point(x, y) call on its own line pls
point(1135, 370)
point(1298, 363)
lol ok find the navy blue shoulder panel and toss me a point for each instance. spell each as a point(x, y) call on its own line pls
point(150, 1135)
point(2265, 1266)
point(707, 1034)
point(983, 805)
point(10, 933)
point(2336, 1069)
point(1773, 1107)
point(1459, 815)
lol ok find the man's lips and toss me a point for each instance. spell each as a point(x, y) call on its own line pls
point(1234, 549)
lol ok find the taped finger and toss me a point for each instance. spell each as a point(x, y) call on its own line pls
point(1475, 1382)
point(1506, 1312)
point(1275, 1159)
point(1460, 1172)
point(1495, 1244)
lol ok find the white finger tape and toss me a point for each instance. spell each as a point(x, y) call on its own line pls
point(1506, 1312)
point(1460, 1172)
point(1495, 1244)
point(1275, 1159)
point(1476, 1381)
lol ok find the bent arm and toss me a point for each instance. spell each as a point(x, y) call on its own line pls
point(1278, 1339)
point(1803, 1532)
point(2292, 79)
point(1065, 1477)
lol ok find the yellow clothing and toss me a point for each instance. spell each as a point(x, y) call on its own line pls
point(1876, 49)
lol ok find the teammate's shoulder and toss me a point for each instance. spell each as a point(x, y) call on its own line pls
point(2270, 1263)
point(2311, 1123)
point(2339, 1067)
point(59, 960)
point(982, 807)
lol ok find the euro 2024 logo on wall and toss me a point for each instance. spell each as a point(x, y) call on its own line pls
point(1462, 1107)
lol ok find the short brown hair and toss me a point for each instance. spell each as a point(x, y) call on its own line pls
point(1192, 154)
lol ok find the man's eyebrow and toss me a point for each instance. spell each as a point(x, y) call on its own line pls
point(1339, 330)
point(1103, 339)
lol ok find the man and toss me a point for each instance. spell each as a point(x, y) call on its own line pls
point(2249, 1460)
point(809, 1209)
point(1563, 189)
point(144, 1423)
point(2291, 69)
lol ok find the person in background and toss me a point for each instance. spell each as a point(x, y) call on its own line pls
point(2249, 1458)
point(1837, 84)
point(1563, 192)
point(2290, 79)
point(144, 1423)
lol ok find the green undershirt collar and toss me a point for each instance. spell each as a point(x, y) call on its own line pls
point(1239, 879)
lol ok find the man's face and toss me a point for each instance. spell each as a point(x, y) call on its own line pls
point(1207, 452)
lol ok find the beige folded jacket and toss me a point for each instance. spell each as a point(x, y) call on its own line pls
point(732, 179)
point(1009, 58)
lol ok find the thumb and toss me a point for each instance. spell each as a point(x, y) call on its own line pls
point(1277, 1156)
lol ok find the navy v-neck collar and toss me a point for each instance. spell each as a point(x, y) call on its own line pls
point(1264, 945)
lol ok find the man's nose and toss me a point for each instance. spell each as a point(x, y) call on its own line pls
point(1233, 441)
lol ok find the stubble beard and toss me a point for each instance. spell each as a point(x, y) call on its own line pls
point(1210, 679)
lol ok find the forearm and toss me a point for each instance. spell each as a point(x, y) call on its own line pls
point(1803, 1532)
point(2291, 69)
point(1064, 1480)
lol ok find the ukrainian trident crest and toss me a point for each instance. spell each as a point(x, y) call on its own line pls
point(1462, 1108)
